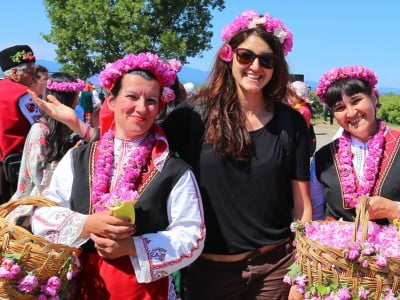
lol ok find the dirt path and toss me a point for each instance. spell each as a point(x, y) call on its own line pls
point(324, 132)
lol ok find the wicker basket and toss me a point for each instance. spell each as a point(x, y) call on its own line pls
point(37, 254)
point(321, 263)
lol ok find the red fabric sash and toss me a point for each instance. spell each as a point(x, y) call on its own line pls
point(115, 279)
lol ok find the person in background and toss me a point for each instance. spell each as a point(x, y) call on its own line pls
point(48, 140)
point(131, 161)
point(86, 103)
point(190, 89)
point(96, 102)
point(327, 112)
point(250, 152)
point(365, 158)
point(39, 86)
point(17, 110)
point(79, 112)
point(299, 97)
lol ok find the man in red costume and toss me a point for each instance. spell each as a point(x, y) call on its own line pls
point(17, 110)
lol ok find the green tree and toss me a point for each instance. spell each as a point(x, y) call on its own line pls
point(316, 106)
point(90, 34)
point(390, 108)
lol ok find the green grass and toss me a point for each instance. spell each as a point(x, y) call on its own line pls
point(394, 126)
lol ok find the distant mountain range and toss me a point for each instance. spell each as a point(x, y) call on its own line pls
point(198, 77)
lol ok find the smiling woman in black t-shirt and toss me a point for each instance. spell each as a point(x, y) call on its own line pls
point(250, 152)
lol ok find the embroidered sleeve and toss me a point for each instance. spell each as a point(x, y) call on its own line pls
point(32, 162)
point(317, 195)
point(162, 253)
point(29, 109)
point(60, 224)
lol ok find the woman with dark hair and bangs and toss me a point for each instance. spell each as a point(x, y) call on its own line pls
point(48, 140)
point(364, 159)
point(250, 152)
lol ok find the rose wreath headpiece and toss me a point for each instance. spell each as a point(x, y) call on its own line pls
point(335, 74)
point(251, 19)
point(66, 86)
point(165, 72)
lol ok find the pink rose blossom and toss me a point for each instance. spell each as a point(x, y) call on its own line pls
point(287, 280)
point(28, 283)
point(226, 53)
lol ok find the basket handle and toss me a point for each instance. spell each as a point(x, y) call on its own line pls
point(362, 218)
point(9, 206)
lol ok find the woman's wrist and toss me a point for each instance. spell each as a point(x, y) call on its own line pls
point(85, 134)
point(396, 213)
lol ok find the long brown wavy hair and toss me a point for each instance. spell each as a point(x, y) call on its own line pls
point(226, 122)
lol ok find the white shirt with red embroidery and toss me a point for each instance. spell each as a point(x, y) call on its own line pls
point(158, 254)
point(29, 109)
point(35, 173)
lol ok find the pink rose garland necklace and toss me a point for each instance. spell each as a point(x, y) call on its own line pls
point(126, 189)
point(352, 191)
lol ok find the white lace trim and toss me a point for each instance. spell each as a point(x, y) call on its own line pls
point(71, 229)
point(171, 289)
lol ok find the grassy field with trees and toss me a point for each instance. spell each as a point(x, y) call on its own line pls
point(389, 110)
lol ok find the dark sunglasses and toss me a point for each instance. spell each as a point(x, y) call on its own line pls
point(246, 57)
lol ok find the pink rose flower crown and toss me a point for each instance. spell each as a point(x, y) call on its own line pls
point(251, 19)
point(335, 74)
point(165, 72)
point(66, 86)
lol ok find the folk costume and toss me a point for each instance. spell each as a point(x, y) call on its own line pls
point(17, 111)
point(349, 167)
point(14, 125)
point(170, 227)
point(327, 189)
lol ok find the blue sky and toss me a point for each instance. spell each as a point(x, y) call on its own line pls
point(326, 33)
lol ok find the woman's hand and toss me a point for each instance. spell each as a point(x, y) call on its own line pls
point(380, 208)
point(105, 225)
point(111, 249)
point(55, 108)
point(61, 113)
point(294, 294)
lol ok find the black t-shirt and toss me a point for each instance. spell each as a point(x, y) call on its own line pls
point(248, 205)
